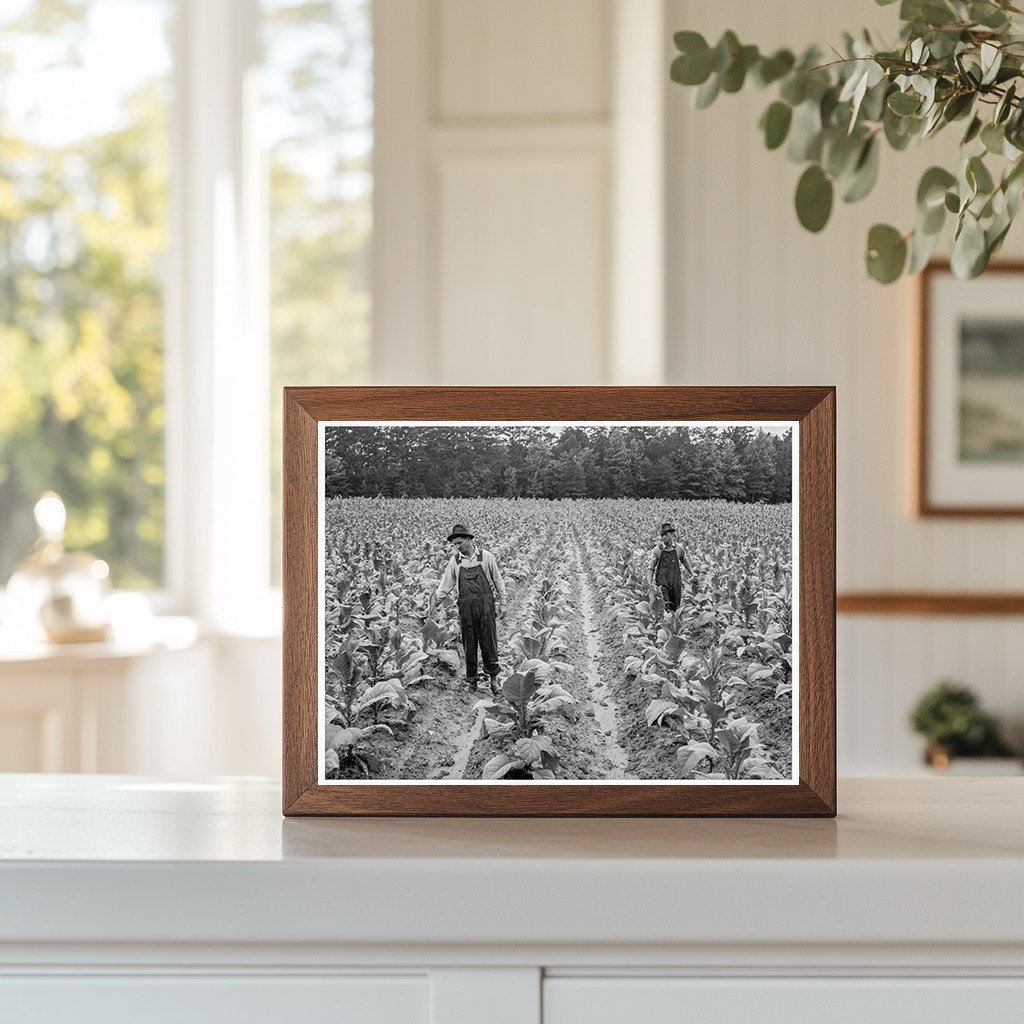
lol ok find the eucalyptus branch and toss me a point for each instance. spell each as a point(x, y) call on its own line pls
point(953, 58)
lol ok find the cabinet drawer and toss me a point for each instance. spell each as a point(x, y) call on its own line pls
point(677, 1000)
point(202, 999)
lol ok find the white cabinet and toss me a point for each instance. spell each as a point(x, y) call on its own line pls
point(824, 1000)
point(131, 898)
point(241, 999)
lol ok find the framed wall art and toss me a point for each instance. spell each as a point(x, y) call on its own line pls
point(970, 443)
point(559, 601)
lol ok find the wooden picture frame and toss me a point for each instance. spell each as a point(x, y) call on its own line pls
point(811, 791)
point(948, 485)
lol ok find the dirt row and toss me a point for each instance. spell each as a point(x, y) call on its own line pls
point(586, 748)
point(443, 738)
point(437, 737)
point(651, 753)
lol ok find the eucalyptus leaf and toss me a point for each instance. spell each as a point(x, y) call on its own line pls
point(707, 93)
point(903, 103)
point(929, 12)
point(966, 186)
point(944, 44)
point(973, 130)
point(827, 106)
point(874, 103)
point(931, 191)
point(930, 222)
point(805, 133)
point(839, 152)
point(899, 130)
point(958, 106)
point(867, 74)
point(865, 173)
point(688, 41)
point(771, 69)
point(925, 87)
point(687, 71)
point(987, 15)
point(968, 70)
point(993, 138)
point(814, 195)
point(991, 60)
point(794, 88)
point(735, 74)
point(1014, 194)
point(934, 121)
point(693, 65)
point(978, 175)
point(922, 248)
point(886, 253)
point(968, 248)
point(1013, 187)
point(725, 49)
point(775, 123)
point(1005, 105)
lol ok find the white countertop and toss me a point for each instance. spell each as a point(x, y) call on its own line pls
point(120, 859)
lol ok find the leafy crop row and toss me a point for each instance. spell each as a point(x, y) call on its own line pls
point(530, 693)
point(715, 675)
point(728, 644)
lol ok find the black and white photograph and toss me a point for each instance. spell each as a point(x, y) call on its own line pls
point(558, 602)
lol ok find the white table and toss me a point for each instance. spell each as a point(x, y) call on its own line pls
point(105, 706)
point(198, 902)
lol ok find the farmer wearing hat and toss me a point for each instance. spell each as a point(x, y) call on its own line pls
point(664, 567)
point(473, 574)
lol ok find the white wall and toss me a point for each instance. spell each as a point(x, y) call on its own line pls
point(508, 252)
point(754, 299)
point(523, 234)
point(504, 131)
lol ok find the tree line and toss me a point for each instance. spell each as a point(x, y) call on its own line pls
point(742, 463)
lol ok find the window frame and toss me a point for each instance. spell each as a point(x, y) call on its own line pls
point(217, 351)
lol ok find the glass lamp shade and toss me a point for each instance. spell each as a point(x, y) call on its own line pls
point(61, 597)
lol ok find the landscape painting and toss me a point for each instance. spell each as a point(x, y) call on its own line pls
point(992, 390)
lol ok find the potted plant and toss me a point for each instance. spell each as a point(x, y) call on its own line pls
point(950, 717)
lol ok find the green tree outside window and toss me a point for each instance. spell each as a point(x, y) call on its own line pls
point(83, 236)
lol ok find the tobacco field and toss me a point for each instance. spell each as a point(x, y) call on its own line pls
point(598, 681)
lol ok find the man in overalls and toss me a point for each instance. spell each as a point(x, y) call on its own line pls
point(474, 574)
point(664, 567)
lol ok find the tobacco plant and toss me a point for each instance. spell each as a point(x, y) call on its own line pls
point(346, 749)
point(534, 758)
point(521, 705)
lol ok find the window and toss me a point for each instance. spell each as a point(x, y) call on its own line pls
point(317, 117)
point(83, 238)
point(236, 212)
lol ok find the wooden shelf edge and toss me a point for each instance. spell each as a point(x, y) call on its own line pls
point(928, 603)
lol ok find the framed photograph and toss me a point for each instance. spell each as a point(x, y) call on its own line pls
point(559, 601)
point(970, 445)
